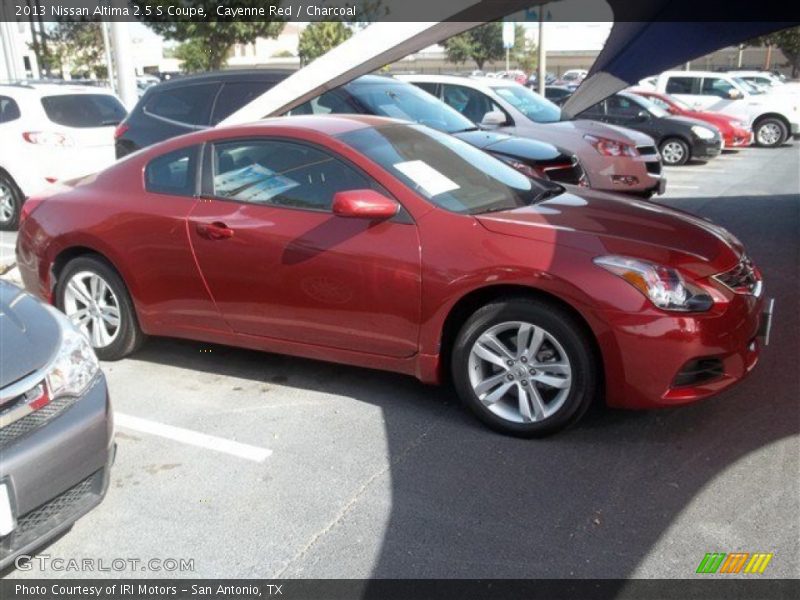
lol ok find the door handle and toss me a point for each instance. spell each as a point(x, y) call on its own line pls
point(214, 231)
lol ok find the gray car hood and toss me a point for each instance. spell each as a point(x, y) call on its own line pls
point(29, 334)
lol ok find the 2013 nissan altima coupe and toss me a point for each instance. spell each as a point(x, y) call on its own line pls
point(373, 242)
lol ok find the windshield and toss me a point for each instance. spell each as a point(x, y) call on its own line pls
point(679, 103)
point(449, 173)
point(529, 104)
point(651, 107)
point(84, 110)
point(747, 86)
point(408, 102)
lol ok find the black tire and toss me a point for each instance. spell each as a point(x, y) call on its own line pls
point(570, 334)
point(771, 124)
point(11, 193)
point(677, 152)
point(129, 336)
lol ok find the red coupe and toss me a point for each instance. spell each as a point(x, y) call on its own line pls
point(735, 133)
point(370, 242)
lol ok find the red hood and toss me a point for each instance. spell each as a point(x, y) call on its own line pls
point(602, 223)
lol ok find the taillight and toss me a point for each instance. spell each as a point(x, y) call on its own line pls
point(608, 147)
point(28, 207)
point(47, 138)
point(120, 130)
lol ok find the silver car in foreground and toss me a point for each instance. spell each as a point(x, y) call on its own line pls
point(56, 426)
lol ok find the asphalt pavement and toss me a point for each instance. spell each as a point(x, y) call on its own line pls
point(258, 465)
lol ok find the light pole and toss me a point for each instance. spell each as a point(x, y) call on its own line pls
point(541, 53)
point(125, 71)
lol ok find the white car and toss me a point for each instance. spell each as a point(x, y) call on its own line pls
point(767, 81)
point(774, 117)
point(51, 133)
point(614, 158)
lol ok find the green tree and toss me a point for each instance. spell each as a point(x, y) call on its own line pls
point(73, 47)
point(787, 41)
point(523, 54)
point(210, 40)
point(481, 44)
point(319, 37)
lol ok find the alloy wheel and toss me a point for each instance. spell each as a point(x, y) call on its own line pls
point(520, 372)
point(672, 153)
point(93, 307)
point(769, 134)
point(7, 204)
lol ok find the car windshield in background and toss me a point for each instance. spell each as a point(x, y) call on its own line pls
point(84, 110)
point(529, 104)
point(448, 172)
point(651, 107)
point(748, 87)
point(408, 102)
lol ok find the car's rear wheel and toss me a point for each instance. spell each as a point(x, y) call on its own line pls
point(674, 152)
point(94, 297)
point(10, 203)
point(525, 367)
point(770, 132)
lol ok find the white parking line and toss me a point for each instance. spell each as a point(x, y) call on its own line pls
point(193, 438)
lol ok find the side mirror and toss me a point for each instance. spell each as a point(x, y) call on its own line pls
point(734, 94)
point(364, 204)
point(642, 115)
point(494, 118)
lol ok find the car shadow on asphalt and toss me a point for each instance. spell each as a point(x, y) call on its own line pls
point(590, 502)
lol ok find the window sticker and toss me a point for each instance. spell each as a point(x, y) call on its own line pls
point(426, 177)
point(253, 183)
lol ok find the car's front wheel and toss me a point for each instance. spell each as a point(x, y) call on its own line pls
point(674, 152)
point(770, 132)
point(525, 367)
point(10, 203)
point(94, 297)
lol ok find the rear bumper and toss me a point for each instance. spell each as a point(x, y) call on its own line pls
point(57, 472)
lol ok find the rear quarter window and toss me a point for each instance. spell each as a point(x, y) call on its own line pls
point(189, 104)
point(9, 109)
point(84, 110)
point(173, 173)
point(235, 95)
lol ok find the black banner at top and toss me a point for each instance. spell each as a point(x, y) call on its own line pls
point(398, 10)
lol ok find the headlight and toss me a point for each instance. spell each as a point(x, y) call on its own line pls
point(608, 147)
point(74, 367)
point(702, 132)
point(663, 286)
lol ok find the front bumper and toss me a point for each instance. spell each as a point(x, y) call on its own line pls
point(652, 350)
point(56, 472)
point(706, 149)
point(739, 138)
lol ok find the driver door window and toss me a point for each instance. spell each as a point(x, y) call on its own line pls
point(471, 103)
point(714, 86)
point(278, 173)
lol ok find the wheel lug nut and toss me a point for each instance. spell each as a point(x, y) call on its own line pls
point(510, 363)
point(532, 371)
point(510, 377)
point(524, 359)
point(524, 382)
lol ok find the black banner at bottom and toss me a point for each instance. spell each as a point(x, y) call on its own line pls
point(403, 589)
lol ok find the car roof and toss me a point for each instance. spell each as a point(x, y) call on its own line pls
point(695, 73)
point(52, 89)
point(331, 125)
point(227, 75)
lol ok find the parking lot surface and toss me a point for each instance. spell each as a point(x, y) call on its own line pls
point(258, 465)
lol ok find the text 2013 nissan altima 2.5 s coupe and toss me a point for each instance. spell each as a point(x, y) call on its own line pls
point(371, 242)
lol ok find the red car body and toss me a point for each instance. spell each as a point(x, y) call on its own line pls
point(387, 294)
point(734, 133)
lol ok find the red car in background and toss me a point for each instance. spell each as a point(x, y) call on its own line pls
point(373, 242)
point(735, 133)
